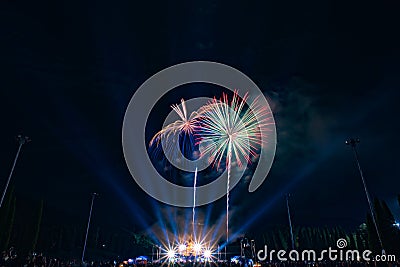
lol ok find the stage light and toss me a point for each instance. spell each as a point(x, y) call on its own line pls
point(171, 253)
point(396, 224)
point(182, 247)
point(207, 254)
point(197, 247)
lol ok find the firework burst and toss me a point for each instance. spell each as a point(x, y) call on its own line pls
point(185, 125)
point(185, 128)
point(234, 131)
point(177, 138)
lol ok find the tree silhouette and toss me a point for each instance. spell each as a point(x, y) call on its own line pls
point(38, 223)
point(7, 216)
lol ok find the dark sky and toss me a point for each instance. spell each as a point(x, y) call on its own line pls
point(329, 69)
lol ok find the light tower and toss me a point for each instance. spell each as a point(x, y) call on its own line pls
point(290, 220)
point(21, 141)
point(353, 143)
point(88, 225)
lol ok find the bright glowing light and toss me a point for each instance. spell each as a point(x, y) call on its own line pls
point(182, 247)
point(207, 253)
point(197, 247)
point(171, 254)
point(396, 224)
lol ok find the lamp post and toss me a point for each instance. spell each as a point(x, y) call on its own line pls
point(290, 220)
point(353, 143)
point(253, 250)
point(241, 248)
point(88, 225)
point(226, 257)
point(21, 141)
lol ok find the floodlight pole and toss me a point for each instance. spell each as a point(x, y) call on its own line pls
point(353, 143)
point(226, 257)
point(253, 249)
point(21, 141)
point(88, 225)
point(158, 252)
point(290, 220)
point(241, 247)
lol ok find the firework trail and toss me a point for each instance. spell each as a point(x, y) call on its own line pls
point(232, 129)
point(194, 203)
point(185, 127)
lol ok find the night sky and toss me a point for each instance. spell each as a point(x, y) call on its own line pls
point(330, 71)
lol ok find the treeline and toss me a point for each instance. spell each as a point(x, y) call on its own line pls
point(66, 241)
point(22, 226)
point(319, 238)
point(25, 225)
point(20, 223)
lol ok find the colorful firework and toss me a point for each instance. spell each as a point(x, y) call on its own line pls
point(175, 142)
point(185, 125)
point(227, 130)
point(232, 130)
